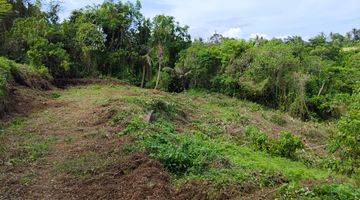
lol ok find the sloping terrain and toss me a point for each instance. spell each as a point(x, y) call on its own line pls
point(112, 141)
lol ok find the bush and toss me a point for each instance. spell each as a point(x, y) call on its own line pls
point(259, 140)
point(285, 146)
point(5, 66)
point(178, 153)
point(346, 144)
point(323, 191)
point(278, 119)
point(181, 153)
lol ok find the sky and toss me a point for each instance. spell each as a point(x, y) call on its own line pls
point(248, 18)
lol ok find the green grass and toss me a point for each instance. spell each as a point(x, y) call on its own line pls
point(196, 136)
point(31, 149)
point(28, 179)
point(20, 147)
point(80, 166)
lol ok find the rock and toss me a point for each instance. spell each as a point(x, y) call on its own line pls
point(150, 117)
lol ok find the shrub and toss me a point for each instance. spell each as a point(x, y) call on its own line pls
point(181, 153)
point(166, 109)
point(322, 191)
point(259, 140)
point(285, 146)
point(346, 144)
point(55, 95)
point(278, 119)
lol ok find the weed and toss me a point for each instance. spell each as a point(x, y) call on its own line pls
point(70, 140)
point(134, 126)
point(321, 191)
point(27, 179)
point(17, 123)
point(243, 119)
point(209, 129)
point(259, 140)
point(55, 95)
point(181, 153)
point(129, 148)
point(285, 146)
point(32, 149)
point(80, 166)
point(278, 119)
point(121, 117)
point(166, 109)
point(271, 179)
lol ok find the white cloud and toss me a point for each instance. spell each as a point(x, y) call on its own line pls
point(234, 32)
point(260, 35)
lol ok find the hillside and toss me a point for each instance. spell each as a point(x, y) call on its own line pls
point(115, 141)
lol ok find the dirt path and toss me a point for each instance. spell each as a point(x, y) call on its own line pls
point(77, 156)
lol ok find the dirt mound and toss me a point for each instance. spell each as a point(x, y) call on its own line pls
point(136, 177)
point(21, 99)
point(29, 79)
point(15, 98)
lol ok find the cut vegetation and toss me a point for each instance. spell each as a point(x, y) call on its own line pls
point(109, 104)
point(93, 141)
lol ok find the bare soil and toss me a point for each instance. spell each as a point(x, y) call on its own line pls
point(80, 130)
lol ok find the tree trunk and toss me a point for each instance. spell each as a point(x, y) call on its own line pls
point(321, 89)
point(143, 76)
point(158, 76)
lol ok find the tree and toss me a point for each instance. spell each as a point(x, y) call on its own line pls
point(347, 141)
point(5, 8)
point(91, 40)
point(168, 38)
point(160, 53)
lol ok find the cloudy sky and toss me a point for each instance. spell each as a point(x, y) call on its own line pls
point(246, 18)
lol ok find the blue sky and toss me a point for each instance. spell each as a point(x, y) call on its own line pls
point(247, 18)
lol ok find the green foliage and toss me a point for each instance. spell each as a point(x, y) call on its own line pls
point(80, 166)
point(307, 79)
point(321, 191)
point(346, 143)
point(55, 95)
point(278, 119)
point(258, 139)
point(5, 7)
point(6, 66)
point(286, 146)
point(181, 153)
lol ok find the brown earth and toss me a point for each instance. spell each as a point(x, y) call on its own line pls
point(79, 130)
point(85, 158)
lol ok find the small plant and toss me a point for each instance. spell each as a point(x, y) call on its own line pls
point(259, 140)
point(80, 166)
point(278, 119)
point(181, 153)
point(322, 191)
point(27, 179)
point(272, 179)
point(135, 125)
point(166, 109)
point(285, 146)
point(55, 95)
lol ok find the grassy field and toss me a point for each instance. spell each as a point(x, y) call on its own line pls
point(95, 141)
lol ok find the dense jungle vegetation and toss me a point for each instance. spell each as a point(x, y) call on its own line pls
point(314, 81)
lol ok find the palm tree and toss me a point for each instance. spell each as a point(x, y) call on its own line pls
point(160, 59)
point(146, 65)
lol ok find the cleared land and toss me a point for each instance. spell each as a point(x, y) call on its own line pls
point(93, 142)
